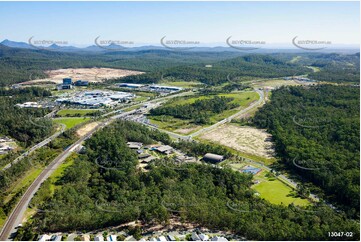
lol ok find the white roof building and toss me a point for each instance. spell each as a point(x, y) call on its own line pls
point(217, 238)
point(203, 237)
point(112, 238)
point(195, 237)
point(44, 237)
point(99, 238)
point(162, 238)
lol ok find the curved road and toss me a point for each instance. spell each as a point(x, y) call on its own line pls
point(226, 120)
point(18, 213)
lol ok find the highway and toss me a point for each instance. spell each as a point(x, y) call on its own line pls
point(35, 147)
point(260, 101)
point(206, 129)
point(227, 120)
point(17, 214)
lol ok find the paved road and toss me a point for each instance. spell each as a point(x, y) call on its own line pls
point(18, 213)
point(227, 120)
point(35, 147)
point(283, 178)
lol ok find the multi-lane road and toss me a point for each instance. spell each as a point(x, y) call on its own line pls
point(227, 120)
point(35, 147)
point(18, 213)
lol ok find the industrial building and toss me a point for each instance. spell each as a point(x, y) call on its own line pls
point(67, 81)
point(213, 158)
point(28, 105)
point(130, 85)
point(135, 145)
point(97, 98)
point(67, 84)
point(80, 83)
point(165, 149)
point(158, 88)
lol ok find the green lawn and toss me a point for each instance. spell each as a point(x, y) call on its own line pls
point(75, 112)
point(241, 98)
point(70, 122)
point(182, 84)
point(277, 192)
point(59, 172)
point(54, 177)
point(25, 181)
point(169, 123)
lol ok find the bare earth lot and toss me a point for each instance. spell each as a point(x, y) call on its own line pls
point(244, 139)
point(88, 74)
point(86, 128)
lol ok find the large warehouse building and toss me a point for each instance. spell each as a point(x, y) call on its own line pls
point(213, 158)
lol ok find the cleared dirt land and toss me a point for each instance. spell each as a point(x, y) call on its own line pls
point(245, 139)
point(86, 128)
point(87, 74)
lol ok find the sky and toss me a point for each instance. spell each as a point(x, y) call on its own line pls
point(210, 23)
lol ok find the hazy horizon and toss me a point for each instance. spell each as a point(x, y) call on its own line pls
point(209, 24)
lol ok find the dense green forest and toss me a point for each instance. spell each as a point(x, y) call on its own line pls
point(263, 66)
point(90, 196)
point(316, 132)
point(10, 195)
point(25, 125)
point(199, 112)
point(331, 67)
point(19, 65)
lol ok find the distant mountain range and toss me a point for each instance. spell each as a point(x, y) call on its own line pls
point(115, 47)
point(96, 48)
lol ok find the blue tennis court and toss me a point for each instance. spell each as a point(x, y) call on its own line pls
point(251, 169)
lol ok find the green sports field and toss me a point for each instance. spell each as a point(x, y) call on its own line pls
point(75, 112)
point(70, 122)
point(277, 192)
